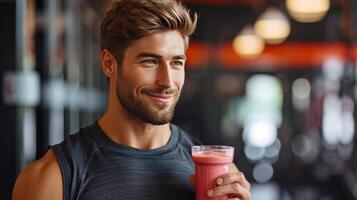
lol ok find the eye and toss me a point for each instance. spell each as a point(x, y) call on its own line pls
point(177, 63)
point(149, 62)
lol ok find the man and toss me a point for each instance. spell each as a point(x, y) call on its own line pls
point(132, 152)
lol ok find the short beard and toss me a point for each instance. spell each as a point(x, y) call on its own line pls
point(139, 109)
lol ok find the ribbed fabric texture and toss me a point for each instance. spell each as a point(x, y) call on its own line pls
point(95, 167)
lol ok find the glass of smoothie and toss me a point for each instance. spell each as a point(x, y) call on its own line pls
point(211, 162)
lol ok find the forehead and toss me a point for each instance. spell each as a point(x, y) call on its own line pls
point(166, 44)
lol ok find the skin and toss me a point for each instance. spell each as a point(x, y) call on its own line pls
point(143, 91)
point(152, 75)
point(40, 180)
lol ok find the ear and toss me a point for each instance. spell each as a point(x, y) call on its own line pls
point(109, 64)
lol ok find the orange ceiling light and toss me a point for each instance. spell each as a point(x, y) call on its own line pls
point(273, 26)
point(248, 44)
point(307, 11)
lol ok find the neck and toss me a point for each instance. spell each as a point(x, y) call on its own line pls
point(126, 129)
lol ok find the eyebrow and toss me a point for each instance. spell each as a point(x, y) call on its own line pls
point(147, 54)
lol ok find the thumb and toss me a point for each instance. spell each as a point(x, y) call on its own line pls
point(192, 180)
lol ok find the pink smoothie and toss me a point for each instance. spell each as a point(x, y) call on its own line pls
point(209, 166)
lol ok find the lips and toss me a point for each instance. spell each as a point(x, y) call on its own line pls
point(163, 98)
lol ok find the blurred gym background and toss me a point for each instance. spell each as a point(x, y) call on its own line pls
point(273, 78)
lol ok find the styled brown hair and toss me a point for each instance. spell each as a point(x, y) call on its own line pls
point(129, 20)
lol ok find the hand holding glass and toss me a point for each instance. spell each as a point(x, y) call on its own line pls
point(211, 162)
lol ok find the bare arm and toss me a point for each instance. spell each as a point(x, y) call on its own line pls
point(41, 180)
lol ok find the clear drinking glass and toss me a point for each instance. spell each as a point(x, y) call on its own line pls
point(211, 161)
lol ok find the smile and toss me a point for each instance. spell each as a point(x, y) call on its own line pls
point(161, 97)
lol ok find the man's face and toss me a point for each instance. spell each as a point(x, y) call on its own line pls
point(151, 76)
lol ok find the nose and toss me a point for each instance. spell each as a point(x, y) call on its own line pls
point(165, 76)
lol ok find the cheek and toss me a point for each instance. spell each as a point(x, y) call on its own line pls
point(180, 78)
point(145, 78)
point(141, 79)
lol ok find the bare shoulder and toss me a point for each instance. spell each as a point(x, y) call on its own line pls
point(40, 180)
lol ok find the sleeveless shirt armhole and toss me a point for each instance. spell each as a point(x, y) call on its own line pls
point(88, 162)
point(65, 170)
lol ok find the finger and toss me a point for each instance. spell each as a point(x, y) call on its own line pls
point(232, 178)
point(235, 189)
point(233, 197)
point(233, 168)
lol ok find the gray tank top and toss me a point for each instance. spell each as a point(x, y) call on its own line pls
point(95, 167)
